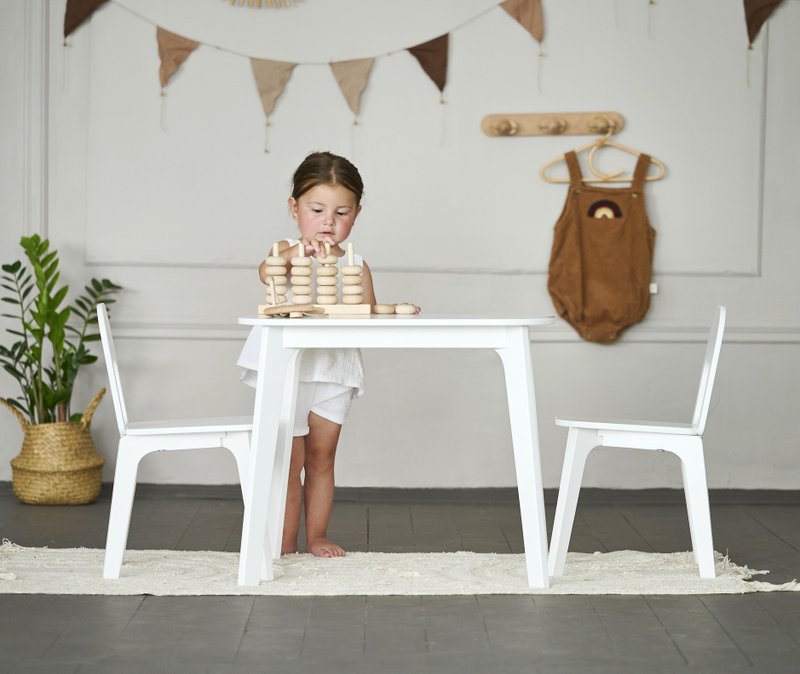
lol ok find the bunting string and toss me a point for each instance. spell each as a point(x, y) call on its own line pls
point(272, 76)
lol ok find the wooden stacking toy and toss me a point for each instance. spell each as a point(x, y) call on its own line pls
point(301, 277)
point(352, 287)
point(275, 272)
point(314, 289)
point(327, 278)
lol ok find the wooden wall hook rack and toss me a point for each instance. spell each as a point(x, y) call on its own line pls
point(553, 124)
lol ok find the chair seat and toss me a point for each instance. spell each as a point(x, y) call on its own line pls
point(178, 426)
point(630, 425)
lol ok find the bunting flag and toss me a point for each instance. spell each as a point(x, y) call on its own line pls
point(271, 78)
point(79, 11)
point(529, 14)
point(173, 50)
point(352, 77)
point(432, 56)
point(756, 12)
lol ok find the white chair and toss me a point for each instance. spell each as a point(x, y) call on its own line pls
point(684, 440)
point(137, 439)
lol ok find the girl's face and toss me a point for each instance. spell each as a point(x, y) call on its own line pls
point(325, 211)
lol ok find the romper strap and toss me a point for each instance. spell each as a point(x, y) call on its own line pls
point(640, 172)
point(575, 176)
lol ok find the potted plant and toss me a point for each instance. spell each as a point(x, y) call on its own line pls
point(58, 463)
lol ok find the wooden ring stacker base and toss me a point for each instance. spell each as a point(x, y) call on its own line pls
point(283, 309)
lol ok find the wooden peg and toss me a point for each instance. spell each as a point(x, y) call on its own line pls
point(351, 257)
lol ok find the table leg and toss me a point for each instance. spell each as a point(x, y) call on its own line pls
point(516, 357)
point(283, 455)
point(273, 365)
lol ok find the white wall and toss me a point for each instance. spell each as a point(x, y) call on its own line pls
point(175, 199)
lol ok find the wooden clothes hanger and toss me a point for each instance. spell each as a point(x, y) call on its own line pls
point(600, 176)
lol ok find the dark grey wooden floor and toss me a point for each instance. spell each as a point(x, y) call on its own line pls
point(598, 634)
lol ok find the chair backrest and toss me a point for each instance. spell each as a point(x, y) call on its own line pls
point(113, 370)
point(709, 371)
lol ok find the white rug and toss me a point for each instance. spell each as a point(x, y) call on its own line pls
point(164, 572)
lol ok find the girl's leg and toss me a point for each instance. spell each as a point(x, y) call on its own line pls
point(320, 452)
point(294, 497)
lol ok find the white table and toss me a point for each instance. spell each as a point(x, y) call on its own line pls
point(282, 342)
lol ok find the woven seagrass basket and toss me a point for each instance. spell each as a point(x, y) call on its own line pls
point(58, 463)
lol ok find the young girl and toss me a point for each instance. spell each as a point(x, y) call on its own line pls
point(325, 202)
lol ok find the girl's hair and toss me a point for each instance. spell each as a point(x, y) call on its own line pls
point(326, 168)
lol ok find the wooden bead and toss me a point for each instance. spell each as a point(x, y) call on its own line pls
point(327, 290)
point(328, 259)
point(327, 271)
point(301, 261)
point(301, 280)
point(275, 270)
point(351, 280)
point(352, 270)
point(353, 290)
point(352, 299)
point(301, 271)
point(328, 299)
point(275, 260)
point(327, 281)
point(384, 308)
point(405, 309)
point(278, 280)
point(281, 290)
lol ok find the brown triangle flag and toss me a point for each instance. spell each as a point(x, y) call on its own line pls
point(529, 15)
point(271, 78)
point(352, 77)
point(756, 12)
point(79, 11)
point(432, 56)
point(173, 50)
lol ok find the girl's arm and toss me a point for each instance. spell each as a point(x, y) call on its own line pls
point(366, 284)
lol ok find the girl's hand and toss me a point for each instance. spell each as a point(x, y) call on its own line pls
point(316, 246)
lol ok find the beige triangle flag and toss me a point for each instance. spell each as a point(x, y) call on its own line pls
point(352, 77)
point(173, 50)
point(529, 15)
point(271, 78)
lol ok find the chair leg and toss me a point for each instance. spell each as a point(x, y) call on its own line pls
point(697, 507)
point(580, 442)
point(121, 505)
point(239, 445)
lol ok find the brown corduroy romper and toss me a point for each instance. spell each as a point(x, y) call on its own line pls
point(600, 267)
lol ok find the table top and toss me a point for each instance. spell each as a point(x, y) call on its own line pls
point(398, 321)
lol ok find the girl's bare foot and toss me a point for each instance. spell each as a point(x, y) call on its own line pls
point(322, 547)
point(288, 550)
